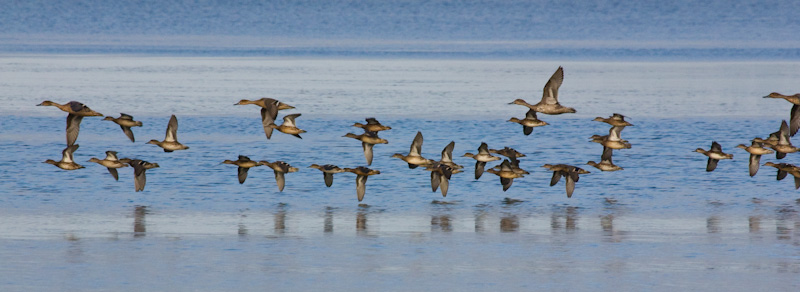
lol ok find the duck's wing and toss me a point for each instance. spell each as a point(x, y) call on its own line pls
point(550, 95)
point(606, 156)
point(139, 177)
point(328, 179)
point(712, 164)
point(794, 120)
point(783, 136)
point(444, 184)
point(280, 178)
point(66, 154)
point(483, 149)
point(172, 130)
point(614, 134)
point(797, 182)
point(506, 182)
point(556, 177)
point(447, 152)
point(531, 114)
point(242, 174)
point(73, 127)
point(570, 186)
point(779, 155)
point(435, 180)
point(268, 115)
point(125, 116)
point(715, 147)
point(527, 130)
point(128, 132)
point(416, 145)
point(111, 155)
point(479, 166)
point(372, 121)
point(367, 151)
point(755, 160)
point(288, 120)
point(506, 165)
point(361, 186)
point(113, 172)
point(781, 174)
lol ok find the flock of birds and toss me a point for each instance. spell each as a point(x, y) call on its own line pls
point(442, 169)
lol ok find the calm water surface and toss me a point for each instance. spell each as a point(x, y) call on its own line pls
point(663, 223)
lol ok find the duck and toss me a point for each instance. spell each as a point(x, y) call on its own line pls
point(613, 140)
point(549, 103)
point(125, 122)
point(714, 154)
point(506, 173)
point(514, 166)
point(66, 162)
point(280, 168)
point(414, 157)
point(614, 120)
point(569, 172)
point(139, 169)
point(372, 125)
point(786, 168)
point(288, 126)
point(794, 116)
point(269, 111)
point(111, 162)
point(783, 145)
point(605, 162)
point(362, 173)
point(511, 153)
point(244, 163)
point(756, 149)
point(529, 122)
point(481, 158)
point(328, 170)
point(76, 111)
point(440, 176)
point(368, 140)
point(447, 157)
point(170, 142)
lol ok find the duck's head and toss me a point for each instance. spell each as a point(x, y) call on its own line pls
point(315, 166)
point(283, 106)
point(154, 141)
point(513, 120)
point(110, 118)
point(398, 155)
point(358, 125)
point(741, 146)
point(50, 161)
point(599, 119)
point(243, 101)
point(774, 95)
point(47, 103)
point(93, 159)
point(351, 135)
point(700, 150)
point(518, 101)
point(228, 162)
point(770, 163)
point(592, 163)
point(272, 125)
point(470, 155)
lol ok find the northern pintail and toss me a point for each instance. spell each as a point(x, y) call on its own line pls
point(506, 174)
point(529, 122)
point(606, 163)
point(509, 152)
point(549, 103)
point(76, 111)
point(139, 169)
point(569, 172)
point(66, 162)
point(614, 120)
point(482, 157)
point(328, 170)
point(794, 116)
point(784, 144)
point(244, 163)
point(269, 111)
point(170, 142)
point(368, 140)
point(289, 126)
point(714, 154)
point(372, 125)
point(362, 173)
point(125, 122)
point(440, 176)
point(280, 168)
point(447, 157)
point(414, 157)
point(111, 162)
point(756, 149)
point(786, 168)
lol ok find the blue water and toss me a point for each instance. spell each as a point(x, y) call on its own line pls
point(686, 74)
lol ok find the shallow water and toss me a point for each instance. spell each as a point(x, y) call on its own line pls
point(662, 223)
